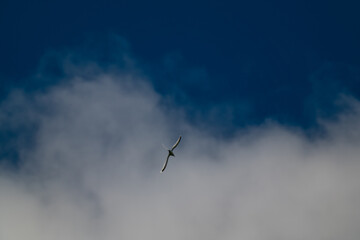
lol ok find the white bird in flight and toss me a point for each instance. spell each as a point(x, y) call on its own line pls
point(170, 153)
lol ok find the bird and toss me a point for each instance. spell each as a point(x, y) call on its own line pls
point(171, 153)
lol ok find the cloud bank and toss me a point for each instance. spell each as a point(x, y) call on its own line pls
point(89, 168)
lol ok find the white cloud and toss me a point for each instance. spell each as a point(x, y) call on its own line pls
point(93, 172)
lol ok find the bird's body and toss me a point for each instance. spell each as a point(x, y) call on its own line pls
point(171, 153)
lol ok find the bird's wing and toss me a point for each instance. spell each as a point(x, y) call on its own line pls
point(165, 164)
point(177, 143)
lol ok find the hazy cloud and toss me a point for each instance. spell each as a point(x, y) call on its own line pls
point(91, 170)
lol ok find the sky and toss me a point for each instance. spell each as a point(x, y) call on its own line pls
point(265, 95)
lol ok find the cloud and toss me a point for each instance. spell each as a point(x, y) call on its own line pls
point(90, 169)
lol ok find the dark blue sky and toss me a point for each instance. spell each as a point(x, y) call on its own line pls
point(285, 60)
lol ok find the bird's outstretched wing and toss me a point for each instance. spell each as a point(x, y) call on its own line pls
point(165, 164)
point(177, 143)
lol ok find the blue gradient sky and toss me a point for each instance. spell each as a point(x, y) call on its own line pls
point(284, 60)
point(265, 95)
